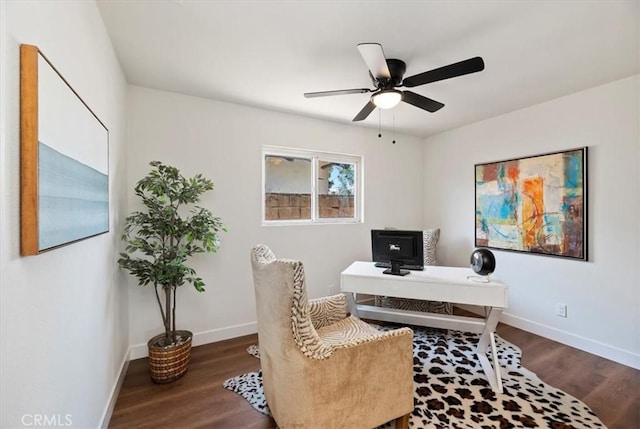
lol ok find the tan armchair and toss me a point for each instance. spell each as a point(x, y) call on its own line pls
point(321, 368)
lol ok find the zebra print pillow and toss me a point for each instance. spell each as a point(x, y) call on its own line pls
point(430, 239)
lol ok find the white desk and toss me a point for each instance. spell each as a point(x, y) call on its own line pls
point(448, 284)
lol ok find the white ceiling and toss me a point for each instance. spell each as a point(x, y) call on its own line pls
point(268, 53)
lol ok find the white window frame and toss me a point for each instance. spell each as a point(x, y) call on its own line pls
point(315, 156)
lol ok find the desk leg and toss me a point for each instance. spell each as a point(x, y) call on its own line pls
point(487, 338)
point(351, 303)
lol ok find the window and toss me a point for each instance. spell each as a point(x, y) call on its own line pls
point(302, 186)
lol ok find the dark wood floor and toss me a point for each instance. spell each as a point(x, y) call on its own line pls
point(198, 400)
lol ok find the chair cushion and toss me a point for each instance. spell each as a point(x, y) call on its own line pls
point(346, 332)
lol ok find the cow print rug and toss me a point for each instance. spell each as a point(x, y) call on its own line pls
point(452, 391)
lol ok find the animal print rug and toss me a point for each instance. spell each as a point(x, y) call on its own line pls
point(452, 391)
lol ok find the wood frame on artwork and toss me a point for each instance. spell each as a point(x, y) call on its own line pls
point(64, 160)
point(535, 204)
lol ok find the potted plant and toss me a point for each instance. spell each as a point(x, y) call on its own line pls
point(159, 241)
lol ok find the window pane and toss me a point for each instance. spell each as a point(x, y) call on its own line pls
point(336, 189)
point(287, 188)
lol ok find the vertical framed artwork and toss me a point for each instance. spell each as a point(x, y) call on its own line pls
point(536, 204)
point(64, 160)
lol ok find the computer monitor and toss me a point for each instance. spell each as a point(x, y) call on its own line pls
point(404, 248)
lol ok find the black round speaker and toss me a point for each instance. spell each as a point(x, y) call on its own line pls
point(483, 262)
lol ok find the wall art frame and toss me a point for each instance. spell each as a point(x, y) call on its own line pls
point(64, 160)
point(535, 204)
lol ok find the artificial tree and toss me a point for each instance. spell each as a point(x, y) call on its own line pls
point(161, 239)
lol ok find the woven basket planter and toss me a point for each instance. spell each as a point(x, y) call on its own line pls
point(169, 363)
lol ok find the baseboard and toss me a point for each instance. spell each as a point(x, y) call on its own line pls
point(138, 351)
point(115, 391)
point(215, 335)
point(597, 348)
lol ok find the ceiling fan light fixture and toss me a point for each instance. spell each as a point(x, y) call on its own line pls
point(387, 98)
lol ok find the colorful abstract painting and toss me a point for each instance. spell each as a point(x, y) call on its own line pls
point(535, 204)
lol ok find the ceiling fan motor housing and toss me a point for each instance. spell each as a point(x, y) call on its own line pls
point(397, 68)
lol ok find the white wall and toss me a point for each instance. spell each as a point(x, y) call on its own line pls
point(223, 141)
point(603, 294)
point(64, 313)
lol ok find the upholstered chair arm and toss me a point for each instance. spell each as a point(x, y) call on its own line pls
point(327, 310)
point(388, 355)
point(380, 365)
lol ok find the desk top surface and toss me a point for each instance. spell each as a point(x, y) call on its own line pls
point(430, 274)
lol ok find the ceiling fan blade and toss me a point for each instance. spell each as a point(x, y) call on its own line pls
point(337, 92)
point(422, 102)
point(461, 68)
point(373, 56)
point(368, 108)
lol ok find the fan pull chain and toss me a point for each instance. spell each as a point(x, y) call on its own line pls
point(394, 128)
point(379, 123)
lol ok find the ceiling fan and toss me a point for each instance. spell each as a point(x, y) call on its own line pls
point(386, 75)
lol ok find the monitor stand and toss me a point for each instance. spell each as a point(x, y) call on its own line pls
point(395, 269)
